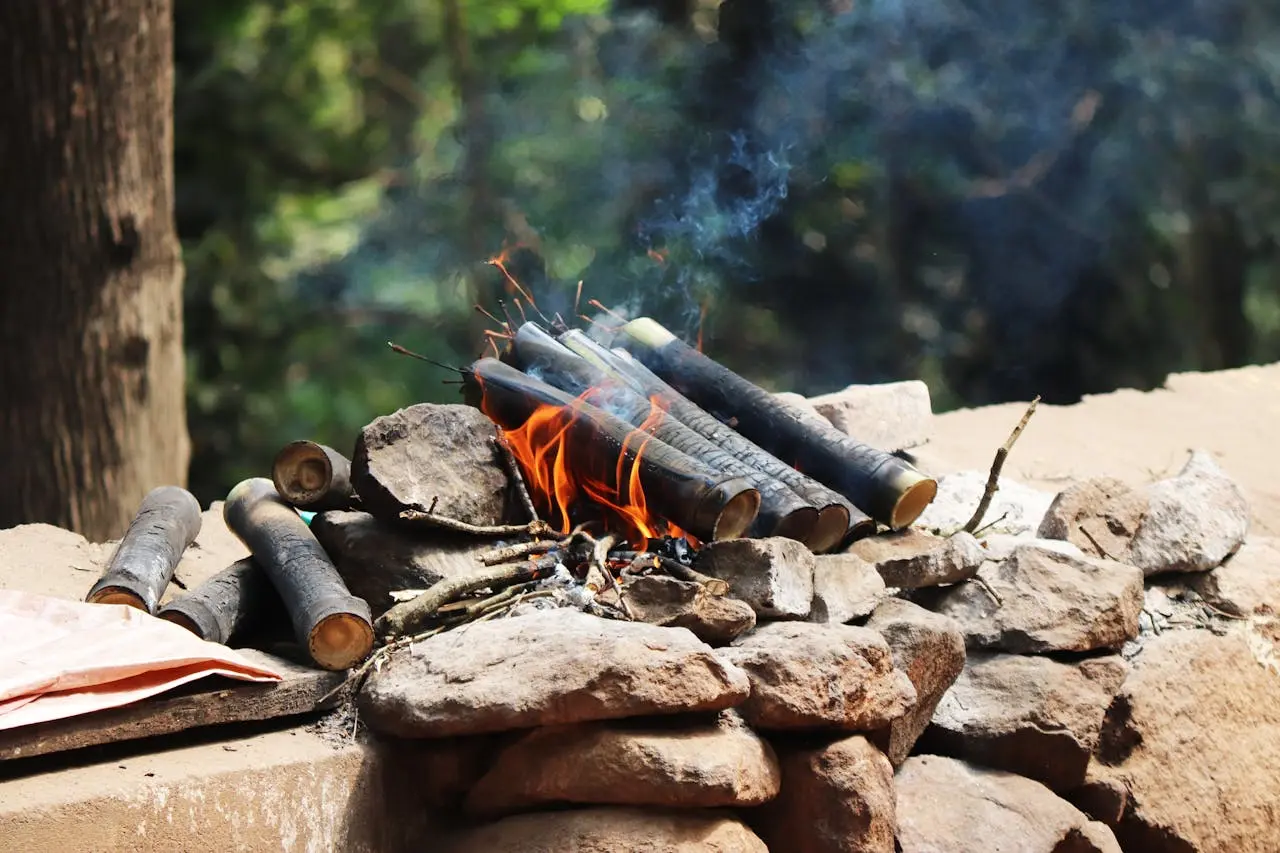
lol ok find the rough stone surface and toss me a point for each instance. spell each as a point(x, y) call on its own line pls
point(1194, 737)
point(1000, 546)
point(773, 575)
point(1079, 515)
point(836, 798)
point(910, 559)
point(1248, 582)
point(1015, 508)
point(809, 676)
point(947, 806)
point(929, 648)
point(662, 600)
point(1193, 522)
point(610, 830)
point(376, 558)
point(433, 452)
point(845, 587)
point(892, 415)
point(545, 668)
point(678, 763)
point(1050, 603)
point(1032, 716)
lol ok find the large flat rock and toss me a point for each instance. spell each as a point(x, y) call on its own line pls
point(610, 830)
point(545, 668)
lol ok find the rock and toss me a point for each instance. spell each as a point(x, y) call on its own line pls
point(1194, 521)
point(836, 798)
point(892, 415)
point(679, 764)
point(1033, 716)
point(773, 575)
point(947, 805)
point(662, 600)
point(433, 452)
point(49, 560)
point(845, 588)
point(376, 558)
point(610, 830)
point(1000, 545)
point(1194, 738)
point(442, 770)
point(545, 668)
point(1248, 582)
point(1015, 508)
point(809, 676)
point(1188, 523)
point(929, 648)
point(910, 559)
point(1050, 603)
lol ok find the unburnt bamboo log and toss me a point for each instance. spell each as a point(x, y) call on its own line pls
point(601, 447)
point(839, 521)
point(334, 625)
point(313, 476)
point(142, 565)
point(236, 602)
point(537, 353)
point(888, 488)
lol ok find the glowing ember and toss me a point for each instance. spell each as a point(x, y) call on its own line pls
point(545, 449)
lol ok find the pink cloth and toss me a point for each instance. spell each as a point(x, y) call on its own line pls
point(61, 658)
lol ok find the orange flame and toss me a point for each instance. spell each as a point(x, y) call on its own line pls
point(545, 451)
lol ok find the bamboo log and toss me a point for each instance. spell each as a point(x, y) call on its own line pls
point(892, 491)
point(839, 521)
point(237, 601)
point(167, 522)
point(313, 477)
point(334, 625)
point(600, 446)
point(782, 511)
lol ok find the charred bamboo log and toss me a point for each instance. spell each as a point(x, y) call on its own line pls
point(888, 488)
point(236, 602)
point(167, 522)
point(335, 626)
point(782, 511)
point(600, 447)
point(839, 521)
point(313, 476)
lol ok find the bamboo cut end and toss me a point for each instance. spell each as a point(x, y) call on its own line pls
point(302, 472)
point(736, 505)
point(918, 492)
point(648, 332)
point(340, 641)
point(118, 595)
point(798, 525)
point(833, 524)
point(184, 621)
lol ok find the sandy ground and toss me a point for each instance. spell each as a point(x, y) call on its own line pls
point(1134, 436)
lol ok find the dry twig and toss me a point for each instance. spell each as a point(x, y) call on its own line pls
point(993, 480)
point(513, 471)
point(515, 552)
point(408, 616)
point(537, 527)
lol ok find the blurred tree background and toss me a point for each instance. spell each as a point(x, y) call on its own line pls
point(1001, 198)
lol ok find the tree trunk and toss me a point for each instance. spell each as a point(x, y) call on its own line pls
point(92, 412)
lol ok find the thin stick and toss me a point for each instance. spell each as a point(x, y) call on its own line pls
point(494, 346)
point(990, 524)
point(482, 310)
point(989, 590)
point(679, 571)
point(502, 336)
point(506, 312)
point(577, 299)
point(596, 303)
point(397, 348)
point(993, 480)
point(519, 307)
point(596, 567)
point(513, 471)
point(408, 616)
point(537, 527)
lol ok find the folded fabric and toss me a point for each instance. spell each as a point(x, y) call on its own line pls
point(61, 658)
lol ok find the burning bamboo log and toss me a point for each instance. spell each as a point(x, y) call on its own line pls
point(891, 490)
point(610, 456)
point(313, 476)
point(782, 511)
point(335, 626)
point(167, 522)
point(838, 520)
point(237, 601)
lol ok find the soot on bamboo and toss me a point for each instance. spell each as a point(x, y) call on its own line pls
point(332, 624)
point(237, 601)
point(313, 476)
point(142, 565)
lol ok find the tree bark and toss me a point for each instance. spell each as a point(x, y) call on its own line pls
point(92, 410)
